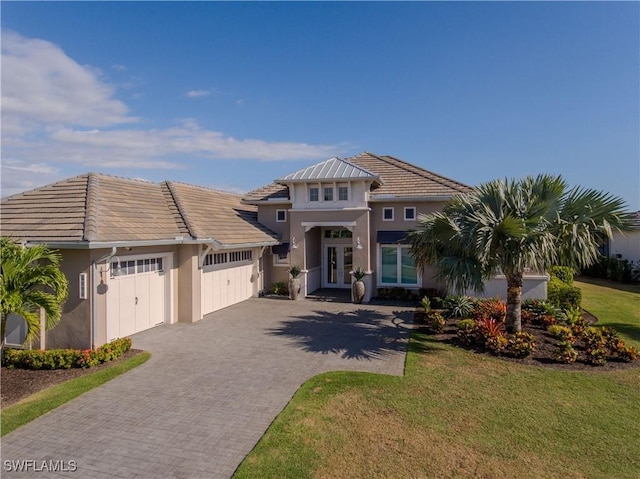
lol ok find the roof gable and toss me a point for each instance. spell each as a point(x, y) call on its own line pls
point(331, 169)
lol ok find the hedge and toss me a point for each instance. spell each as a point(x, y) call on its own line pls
point(563, 273)
point(64, 358)
point(563, 295)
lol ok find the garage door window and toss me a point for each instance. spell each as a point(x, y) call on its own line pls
point(128, 268)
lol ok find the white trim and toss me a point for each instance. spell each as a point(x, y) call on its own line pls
point(415, 213)
point(373, 198)
point(393, 213)
point(281, 262)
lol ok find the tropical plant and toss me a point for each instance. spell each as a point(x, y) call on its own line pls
point(359, 274)
point(30, 279)
point(513, 226)
point(295, 271)
point(457, 306)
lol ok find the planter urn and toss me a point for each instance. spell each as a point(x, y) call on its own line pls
point(294, 288)
point(358, 291)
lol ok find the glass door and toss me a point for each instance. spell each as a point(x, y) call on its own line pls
point(338, 263)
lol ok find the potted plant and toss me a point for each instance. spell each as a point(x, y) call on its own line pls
point(357, 288)
point(294, 282)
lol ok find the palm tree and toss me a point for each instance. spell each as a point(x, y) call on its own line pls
point(514, 226)
point(30, 279)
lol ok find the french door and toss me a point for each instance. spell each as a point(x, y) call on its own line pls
point(338, 261)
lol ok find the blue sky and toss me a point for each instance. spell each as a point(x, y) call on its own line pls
point(234, 95)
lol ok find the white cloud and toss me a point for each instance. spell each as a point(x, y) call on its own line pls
point(57, 113)
point(42, 86)
point(19, 176)
point(198, 93)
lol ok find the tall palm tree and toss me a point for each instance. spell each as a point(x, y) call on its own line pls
point(30, 279)
point(513, 226)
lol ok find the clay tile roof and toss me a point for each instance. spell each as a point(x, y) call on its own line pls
point(404, 179)
point(102, 208)
point(54, 212)
point(272, 191)
point(219, 215)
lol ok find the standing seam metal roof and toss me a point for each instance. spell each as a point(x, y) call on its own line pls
point(332, 169)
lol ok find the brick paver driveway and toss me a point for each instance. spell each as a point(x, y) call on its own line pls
point(210, 390)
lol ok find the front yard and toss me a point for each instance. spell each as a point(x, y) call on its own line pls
point(456, 413)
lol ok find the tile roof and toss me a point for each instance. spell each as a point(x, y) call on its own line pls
point(398, 178)
point(220, 215)
point(332, 169)
point(102, 208)
point(404, 179)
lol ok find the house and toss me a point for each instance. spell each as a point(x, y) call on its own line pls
point(625, 245)
point(138, 254)
point(343, 214)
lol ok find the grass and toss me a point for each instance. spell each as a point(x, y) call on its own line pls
point(614, 304)
point(37, 404)
point(456, 414)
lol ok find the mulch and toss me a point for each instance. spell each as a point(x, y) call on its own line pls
point(543, 356)
point(17, 384)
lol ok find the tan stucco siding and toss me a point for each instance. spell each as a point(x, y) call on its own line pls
point(267, 217)
point(74, 328)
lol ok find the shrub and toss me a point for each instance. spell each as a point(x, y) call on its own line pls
point(64, 358)
point(497, 344)
point(426, 303)
point(521, 345)
point(487, 328)
point(573, 315)
point(593, 338)
point(536, 309)
point(435, 321)
point(563, 295)
point(611, 338)
point(458, 306)
point(614, 269)
point(397, 293)
point(596, 356)
point(565, 352)
point(563, 273)
point(527, 317)
point(547, 320)
point(492, 308)
point(578, 327)
point(279, 289)
point(628, 354)
point(561, 333)
point(465, 331)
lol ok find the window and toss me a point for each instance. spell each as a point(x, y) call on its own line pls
point(387, 214)
point(343, 193)
point(281, 216)
point(328, 193)
point(313, 194)
point(148, 265)
point(397, 266)
point(409, 213)
point(232, 257)
point(342, 233)
point(281, 260)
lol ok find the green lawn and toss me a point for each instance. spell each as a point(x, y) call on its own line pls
point(614, 304)
point(456, 414)
point(36, 405)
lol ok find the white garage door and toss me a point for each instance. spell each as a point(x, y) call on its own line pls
point(227, 279)
point(137, 298)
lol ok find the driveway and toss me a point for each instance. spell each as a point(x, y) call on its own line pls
point(210, 390)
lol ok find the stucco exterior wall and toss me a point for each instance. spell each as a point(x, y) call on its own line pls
point(626, 244)
point(533, 287)
point(267, 217)
point(400, 224)
point(74, 328)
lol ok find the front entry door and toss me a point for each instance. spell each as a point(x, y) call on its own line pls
point(338, 261)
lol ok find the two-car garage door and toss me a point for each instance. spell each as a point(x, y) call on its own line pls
point(137, 297)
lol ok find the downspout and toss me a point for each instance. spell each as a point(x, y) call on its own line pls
point(94, 293)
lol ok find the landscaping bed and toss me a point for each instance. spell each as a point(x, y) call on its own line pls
point(543, 355)
point(18, 384)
